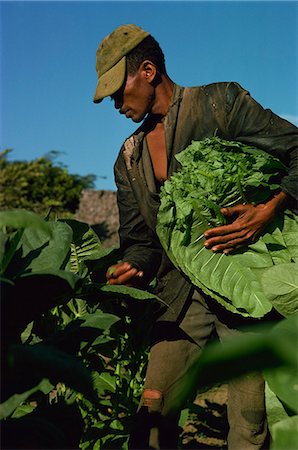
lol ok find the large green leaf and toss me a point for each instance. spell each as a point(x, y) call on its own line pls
point(265, 347)
point(285, 434)
point(42, 253)
point(227, 278)
point(99, 320)
point(283, 429)
point(48, 288)
point(280, 285)
point(88, 328)
point(33, 294)
point(86, 239)
point(20, 218)
point(57, 425)
point(8, 406)
point(10, 240)
point(217, 173)
point(23, 410)
point(104, 382)
point(290, 234)
point(46, 361)
point(127, 292)
point(283, 380)
point(274, 408)
point(85, 245)
point(37, 250)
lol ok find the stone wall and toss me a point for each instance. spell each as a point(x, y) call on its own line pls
point(99, 209)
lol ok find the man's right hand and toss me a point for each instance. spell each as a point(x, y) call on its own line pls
point(124, 273)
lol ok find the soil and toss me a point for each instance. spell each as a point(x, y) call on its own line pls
point(206, 426)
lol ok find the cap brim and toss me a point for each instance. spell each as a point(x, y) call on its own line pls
point(111, 81)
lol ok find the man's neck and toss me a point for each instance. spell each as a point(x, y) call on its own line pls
point(163, 96)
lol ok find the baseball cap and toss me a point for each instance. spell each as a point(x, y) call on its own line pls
point(111, 58)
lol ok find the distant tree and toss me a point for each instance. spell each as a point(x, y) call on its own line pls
point(40, 185)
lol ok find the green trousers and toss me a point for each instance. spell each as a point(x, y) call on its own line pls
point(173, 350)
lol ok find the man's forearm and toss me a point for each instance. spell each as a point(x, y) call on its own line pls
point(280, 202)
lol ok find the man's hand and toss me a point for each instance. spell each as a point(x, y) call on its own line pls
point(248, 222)
point(124, 273)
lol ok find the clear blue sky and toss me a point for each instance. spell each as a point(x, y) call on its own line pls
point(48, 68)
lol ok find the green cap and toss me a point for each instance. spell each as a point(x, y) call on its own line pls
point(111, 58)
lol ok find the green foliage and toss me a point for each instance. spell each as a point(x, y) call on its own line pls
point(268, 348)
point(285, 434)
point(73, 350)
point(214, 174)
point(40, 185)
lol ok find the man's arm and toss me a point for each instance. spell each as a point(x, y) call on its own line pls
point(141, 251)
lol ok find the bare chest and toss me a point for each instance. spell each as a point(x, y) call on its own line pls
point(157, 148)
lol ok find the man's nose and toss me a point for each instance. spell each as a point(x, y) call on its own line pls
point(118, 102)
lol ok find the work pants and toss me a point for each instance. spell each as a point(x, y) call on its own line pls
point(172, 353)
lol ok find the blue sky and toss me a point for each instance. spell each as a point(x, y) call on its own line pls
point(48, 73)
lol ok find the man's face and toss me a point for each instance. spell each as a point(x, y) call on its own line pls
point(135, 98)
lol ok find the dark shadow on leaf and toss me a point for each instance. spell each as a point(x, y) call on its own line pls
point(102, 230)
point(19, 263)
point(28, 299)
point(26, 365)
point(56, 426)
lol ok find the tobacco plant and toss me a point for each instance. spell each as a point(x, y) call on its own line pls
point(216, 173)
point(73, 347)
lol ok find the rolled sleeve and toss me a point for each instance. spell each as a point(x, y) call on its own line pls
point(138, 243)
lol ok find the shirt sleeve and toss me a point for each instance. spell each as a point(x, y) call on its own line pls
point(250, 123)
point(138, 243)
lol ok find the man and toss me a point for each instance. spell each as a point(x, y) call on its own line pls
point(131, 70)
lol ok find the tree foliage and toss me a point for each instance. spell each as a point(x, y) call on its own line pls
point(40, 185)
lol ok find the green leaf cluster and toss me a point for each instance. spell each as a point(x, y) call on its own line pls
point(40, 185)
point(73, 349)
point(214, 174)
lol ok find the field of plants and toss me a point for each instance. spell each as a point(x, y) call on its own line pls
point(74, 349)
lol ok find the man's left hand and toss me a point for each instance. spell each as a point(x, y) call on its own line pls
point(248, 222)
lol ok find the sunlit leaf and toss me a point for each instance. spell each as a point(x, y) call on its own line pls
point(280, 284)
point(21, 218)
point(216, 173)
point(285, 434)
point(126, 291)
point(104, 382)
point(99, 320)
point(7, 407)
point(42, 253)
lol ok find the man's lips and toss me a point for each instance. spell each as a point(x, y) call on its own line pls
point(125, 112)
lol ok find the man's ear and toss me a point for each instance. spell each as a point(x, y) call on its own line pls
point(149, 70)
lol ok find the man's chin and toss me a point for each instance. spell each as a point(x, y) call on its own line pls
point(137, 119)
